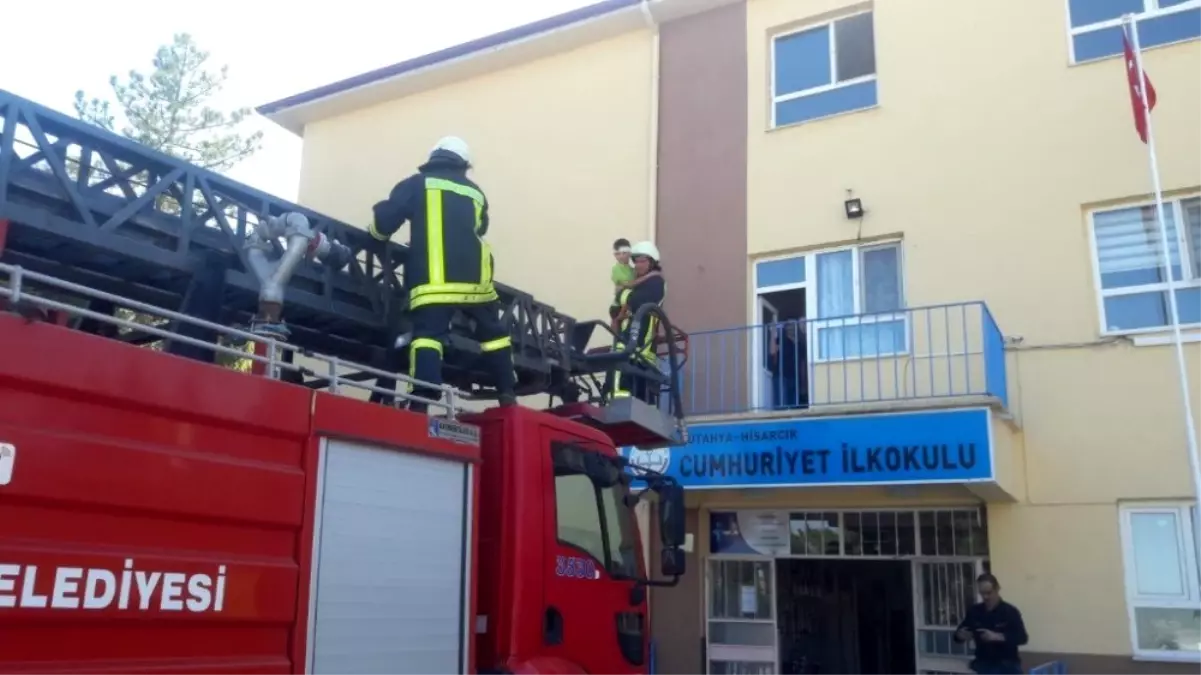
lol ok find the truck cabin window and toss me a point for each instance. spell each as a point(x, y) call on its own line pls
point(590, 513)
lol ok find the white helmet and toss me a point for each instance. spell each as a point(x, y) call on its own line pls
point(455, 145)
point(645, 248)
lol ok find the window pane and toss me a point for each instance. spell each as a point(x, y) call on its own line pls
point(1164, 4)
point(1150, 310)
point(861, 340)
point(854, 47)
point(1128, 249)
point(802, 60)
point(835, 284)
point(779, 272)
point(1168, 628)
point(1192, 229)
point(622, 544)
point(740, 589)
point(741, 668)
point(1099, 44)
point(1085, 12)
point(881, 279)
point(1139, 310)
point(1155, 544)
point(577, 515)
point(826, 103)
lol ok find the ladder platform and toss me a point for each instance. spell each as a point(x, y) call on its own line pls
point(628, 421)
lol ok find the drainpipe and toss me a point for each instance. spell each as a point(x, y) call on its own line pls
point(652, 192)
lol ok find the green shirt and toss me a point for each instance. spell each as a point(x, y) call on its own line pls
point(621, 273)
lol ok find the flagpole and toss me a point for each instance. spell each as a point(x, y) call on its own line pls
point(1177, 342)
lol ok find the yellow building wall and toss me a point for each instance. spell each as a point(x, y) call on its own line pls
point(984, 154)
point(561, 148)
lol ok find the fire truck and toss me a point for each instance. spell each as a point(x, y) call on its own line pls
point(163, 511)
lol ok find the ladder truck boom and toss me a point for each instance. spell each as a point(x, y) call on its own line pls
point(90, 207)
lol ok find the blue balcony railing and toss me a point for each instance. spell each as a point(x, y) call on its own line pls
point(934, 352)
point(1050, 668)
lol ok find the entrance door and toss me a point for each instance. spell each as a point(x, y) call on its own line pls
point(769, 318)
point(741, 611)
point(943, 590)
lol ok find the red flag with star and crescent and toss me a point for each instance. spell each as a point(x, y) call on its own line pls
point(1136, 102)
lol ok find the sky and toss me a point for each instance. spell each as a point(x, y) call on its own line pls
point(273, 50)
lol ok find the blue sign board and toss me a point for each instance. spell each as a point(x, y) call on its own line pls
point(945, 446)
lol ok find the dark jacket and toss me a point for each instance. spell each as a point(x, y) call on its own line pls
point(1004, 619)
point(650, 292)
point(449, 262)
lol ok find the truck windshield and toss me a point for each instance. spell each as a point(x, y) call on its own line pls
point(591, 516)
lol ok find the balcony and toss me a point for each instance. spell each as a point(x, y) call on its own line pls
point(922, 357)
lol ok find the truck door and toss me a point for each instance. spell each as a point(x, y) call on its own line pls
point(590, 617)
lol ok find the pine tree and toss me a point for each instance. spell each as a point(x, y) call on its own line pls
point(169, 109)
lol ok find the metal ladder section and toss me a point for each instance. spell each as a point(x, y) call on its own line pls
point(32, 294)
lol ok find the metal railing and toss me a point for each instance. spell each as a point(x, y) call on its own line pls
point(934, 352)
point(25, 290)
point(1050, 668)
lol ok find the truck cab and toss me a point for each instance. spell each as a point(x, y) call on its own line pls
point(569, 590)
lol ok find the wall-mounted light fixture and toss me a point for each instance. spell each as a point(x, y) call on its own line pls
point(853, 207)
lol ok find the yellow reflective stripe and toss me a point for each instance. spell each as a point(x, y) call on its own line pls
point(420, 343)
point(485, 262)
point(375, 233)
point(453, 287)
point(425, 343)
point(457, 188)
point(433, 218)
point(479, 216)
point(497, 344)
point(453, 299)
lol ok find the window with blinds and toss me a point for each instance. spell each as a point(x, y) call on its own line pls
point(1131, 278)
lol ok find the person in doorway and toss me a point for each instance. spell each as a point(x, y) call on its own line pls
point(997, 629)
point(648, 288)
point(449, 268)
point(787, 361)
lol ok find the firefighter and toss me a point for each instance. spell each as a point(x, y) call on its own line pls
point(449, 268)
point(651, 289)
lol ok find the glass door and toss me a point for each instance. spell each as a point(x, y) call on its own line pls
point(741, 615)
point(943, 590)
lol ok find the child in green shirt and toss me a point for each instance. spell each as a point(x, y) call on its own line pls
point(623, 273)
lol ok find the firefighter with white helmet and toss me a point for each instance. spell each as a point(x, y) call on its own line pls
point(449, 268)
point(651, 289)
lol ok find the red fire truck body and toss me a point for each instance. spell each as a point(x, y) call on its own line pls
point(164, 514)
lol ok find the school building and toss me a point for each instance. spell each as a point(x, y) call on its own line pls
point(943, 213)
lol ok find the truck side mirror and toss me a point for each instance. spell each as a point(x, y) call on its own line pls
point(671, 562)
point(671, 516)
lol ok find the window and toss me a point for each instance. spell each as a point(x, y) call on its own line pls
point(1096, 25)
point(591, 518)
point(858, 296)
point(824, 70)
point(1162, 580)
point(859, 300)
point(1129, 274)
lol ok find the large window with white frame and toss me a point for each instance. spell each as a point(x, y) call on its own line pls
point(1163, 580)
point(1095, 26)
point(824, 69)
point(1131, 281)
point(855, 296)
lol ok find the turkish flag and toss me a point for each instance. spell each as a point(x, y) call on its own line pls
point(1136, 102)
